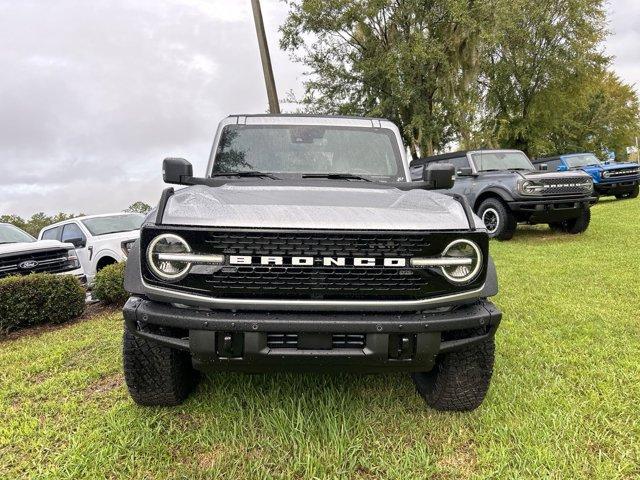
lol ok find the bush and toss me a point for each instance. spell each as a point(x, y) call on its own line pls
point(109, 284)
point(39, 298)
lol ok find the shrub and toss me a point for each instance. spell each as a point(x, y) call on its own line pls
point(109, 284)
point(39, 298)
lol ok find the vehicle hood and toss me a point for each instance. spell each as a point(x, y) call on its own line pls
point(315, 206)
point(130, 235)
point(26, 247)
point(618, 166)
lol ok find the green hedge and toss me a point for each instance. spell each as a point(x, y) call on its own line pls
point(39, 298)
point(109, 284)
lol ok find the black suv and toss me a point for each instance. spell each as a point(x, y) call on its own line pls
point(504, 189)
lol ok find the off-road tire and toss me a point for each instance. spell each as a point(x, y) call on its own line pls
point(156, 375)
point(459, 380)
point(632, 194)
point(506, 220)
point(575, 225)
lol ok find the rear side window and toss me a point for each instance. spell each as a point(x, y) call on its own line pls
point(52, 234)
point(71, 232)
point(458, 163)
point(554, 164)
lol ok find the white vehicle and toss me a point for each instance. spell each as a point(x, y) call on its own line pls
point(100, 240)
point(21, 254)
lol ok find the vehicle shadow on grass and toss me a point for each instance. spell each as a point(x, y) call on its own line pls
point(538, 233)
point(322, 393)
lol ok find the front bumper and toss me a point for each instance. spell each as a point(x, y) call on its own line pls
point(243, 341)
point(616, 187)
point(78, 273)
point(550, 209)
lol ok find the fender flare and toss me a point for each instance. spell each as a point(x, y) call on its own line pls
point(495, 191)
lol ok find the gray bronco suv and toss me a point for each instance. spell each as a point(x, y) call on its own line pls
point(504, 189)
point(306, 246)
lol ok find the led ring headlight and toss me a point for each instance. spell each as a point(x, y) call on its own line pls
point(459, 272)
point(168, 268)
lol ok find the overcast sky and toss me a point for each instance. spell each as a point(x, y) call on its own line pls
point(94, 94)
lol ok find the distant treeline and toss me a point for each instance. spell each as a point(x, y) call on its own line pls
point(39, 220)
point(524, 74)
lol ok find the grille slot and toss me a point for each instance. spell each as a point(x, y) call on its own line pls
point(339, 340)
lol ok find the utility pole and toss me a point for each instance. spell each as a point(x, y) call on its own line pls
point(272, 94)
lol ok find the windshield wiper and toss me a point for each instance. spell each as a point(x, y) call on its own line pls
point(335, 176)
point(249, 173)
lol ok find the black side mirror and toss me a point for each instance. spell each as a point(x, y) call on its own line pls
point(176, 170)
point(465, 172)
point(543, 166)
point(77, 242)
point(439, 176)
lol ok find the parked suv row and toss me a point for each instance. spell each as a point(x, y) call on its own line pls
point(504, 189)
point(99, 240)
point(609, 179)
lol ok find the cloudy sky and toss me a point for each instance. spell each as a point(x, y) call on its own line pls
point(93, 95)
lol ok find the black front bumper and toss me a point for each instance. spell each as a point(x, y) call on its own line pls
point(550, 209)
point(244, 341)
point(615, 188)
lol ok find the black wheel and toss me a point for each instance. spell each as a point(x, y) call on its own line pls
point(633, 193)
point(578, 224)
point(155, 374)
point(459, 380)
point(498, 219)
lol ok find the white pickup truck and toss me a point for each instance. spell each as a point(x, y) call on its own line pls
point(100, 240)
point(21, 254)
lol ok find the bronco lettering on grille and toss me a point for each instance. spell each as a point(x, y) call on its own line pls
point(312, 261)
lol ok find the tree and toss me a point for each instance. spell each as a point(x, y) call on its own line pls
point(546, 51)
point(138, 207)
point(412, 61)
point(37, 221)
point(603, 116)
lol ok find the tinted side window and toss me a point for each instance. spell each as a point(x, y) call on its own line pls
point(72, 231)
point(554, 164)
point(458, 162)
point(52, 233)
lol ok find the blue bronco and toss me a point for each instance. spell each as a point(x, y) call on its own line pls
point(619, 179)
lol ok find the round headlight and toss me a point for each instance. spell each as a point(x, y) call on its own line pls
point(164, 268)
point(466, 261)
point(531, 187)
point(605, 174)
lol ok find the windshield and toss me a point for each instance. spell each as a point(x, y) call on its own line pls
point(581, 160)
point(113, 224)
point(485, 161)
point(11, 234)
point(296, 150)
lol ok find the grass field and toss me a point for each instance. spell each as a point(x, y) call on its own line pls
point(564, 402)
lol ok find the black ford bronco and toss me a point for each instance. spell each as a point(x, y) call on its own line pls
point(306, 246)
point(504, 189)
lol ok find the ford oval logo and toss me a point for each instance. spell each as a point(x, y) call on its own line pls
point(28, 264)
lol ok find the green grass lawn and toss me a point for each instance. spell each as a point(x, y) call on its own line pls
point(564, 402)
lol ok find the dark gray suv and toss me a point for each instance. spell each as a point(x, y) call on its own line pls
point(504, 189)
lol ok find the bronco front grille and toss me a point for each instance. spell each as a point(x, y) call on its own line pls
point(566, 186)
point(49, 261)
point(317, 281)
point(622, 172)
